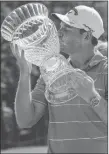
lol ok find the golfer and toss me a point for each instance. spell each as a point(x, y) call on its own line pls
point(79, 125)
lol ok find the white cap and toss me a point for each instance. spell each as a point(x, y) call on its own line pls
point(84, 17)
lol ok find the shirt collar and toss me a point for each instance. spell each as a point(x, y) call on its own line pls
point(95, 60)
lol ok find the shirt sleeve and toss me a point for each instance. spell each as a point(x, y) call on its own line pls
point(38, 93)
point(102, 108)
point(105, 70)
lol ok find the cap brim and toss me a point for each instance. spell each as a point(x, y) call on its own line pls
point(62, 18)
point(66, 20)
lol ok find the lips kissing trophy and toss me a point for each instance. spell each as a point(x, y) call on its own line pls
point(30, 28)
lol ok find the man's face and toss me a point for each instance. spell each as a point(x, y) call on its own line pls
point(70, 38)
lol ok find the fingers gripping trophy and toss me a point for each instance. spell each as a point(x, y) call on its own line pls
point(30, 28)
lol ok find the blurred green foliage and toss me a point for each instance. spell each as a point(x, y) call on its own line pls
point(9, 68)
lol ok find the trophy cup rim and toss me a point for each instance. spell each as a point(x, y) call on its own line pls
point(43, 17)
point(10, 37)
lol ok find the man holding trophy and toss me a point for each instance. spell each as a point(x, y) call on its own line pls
point(75, 91)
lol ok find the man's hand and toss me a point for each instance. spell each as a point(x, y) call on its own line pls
point(25, 67)
point(84, 85)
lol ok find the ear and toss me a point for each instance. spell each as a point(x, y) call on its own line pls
point(86, 35)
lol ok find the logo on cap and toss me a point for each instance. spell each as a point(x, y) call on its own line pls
point(75, 11)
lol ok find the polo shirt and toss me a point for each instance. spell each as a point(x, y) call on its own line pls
point(74, 126)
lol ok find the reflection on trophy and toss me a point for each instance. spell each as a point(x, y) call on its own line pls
point(30, 28)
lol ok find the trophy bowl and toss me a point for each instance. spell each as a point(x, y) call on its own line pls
point(30, 28)
point(21, 22)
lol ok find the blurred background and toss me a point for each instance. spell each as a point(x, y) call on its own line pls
point(11, 134)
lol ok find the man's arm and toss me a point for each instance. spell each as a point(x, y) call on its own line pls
point(27, 110)
point(102, 108)
point(29, 106)
point(85, 88)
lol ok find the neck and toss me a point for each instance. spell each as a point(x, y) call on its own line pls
point(80, 59)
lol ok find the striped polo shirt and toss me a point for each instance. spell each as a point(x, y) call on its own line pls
point(74, 127)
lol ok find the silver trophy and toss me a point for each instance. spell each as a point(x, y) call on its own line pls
point(30, 28)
